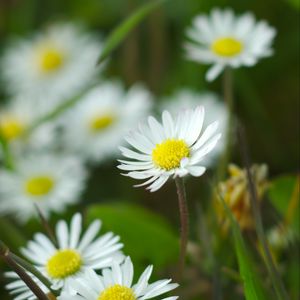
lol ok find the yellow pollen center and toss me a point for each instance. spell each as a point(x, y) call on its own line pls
point(39, 186)
point(63, 263)
point(11, 128)
point(117, 292)
point(169, 153)
point(50, 60)
point(99, 123)
point(227, 46)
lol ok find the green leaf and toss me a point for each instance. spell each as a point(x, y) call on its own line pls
point(147, 237)
point(253, 288)
point(119, 34)
point(284, 195)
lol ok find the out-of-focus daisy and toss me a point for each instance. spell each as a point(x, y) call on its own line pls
point(75, 253)
point(236, 195)
point(117, 283)
point(173, 148)
point(223, 39)
point(20, 291)
point(214, 110)
point(50, 181)
point(53, 65)
point(281, 236)
point(96, 126)
point(16, 118)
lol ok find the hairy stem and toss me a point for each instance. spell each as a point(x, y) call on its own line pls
point(184, 222)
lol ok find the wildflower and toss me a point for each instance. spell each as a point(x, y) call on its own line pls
point(281, 236)
point(214, 110)
point(50, 181)
point(96, 126)
point(75, 253)
point(117, 283)
point(223, 39)
point(236, 195)
point(53, 65)
point(174, 148)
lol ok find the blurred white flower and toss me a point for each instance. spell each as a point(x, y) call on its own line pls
point(117, 283)
point(51, 181)
point(96, 126)
point(52, 66)
point(175, 148)
point(223, 39)
point(75, 254)
point(215, 109)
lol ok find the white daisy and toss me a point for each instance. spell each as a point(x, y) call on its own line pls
point(222, 39)
point(16, 118)
point(175, 148)
point(54, 65)
point(75, 253)
point(50, 181)
point(117, 283)
point(20, 291)
point(96, 126)
point(215, 109)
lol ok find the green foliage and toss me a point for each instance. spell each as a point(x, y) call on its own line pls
point(147, 237)
point(284, 195)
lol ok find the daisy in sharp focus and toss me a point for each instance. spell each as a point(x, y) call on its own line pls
point(76, 253)
point(50, 181)
point(96, 126)
point(55, 64)
point(223, 39)
point(215, 109)
point(117, 284)
point(174, 148)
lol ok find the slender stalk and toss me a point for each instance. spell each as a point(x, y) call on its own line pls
point(229, 102)
point(7, 156)
point(273, 273)
point(184, 222)
point(6, 255)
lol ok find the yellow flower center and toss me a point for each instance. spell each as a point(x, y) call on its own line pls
point(63, 263)
point(169, 153)
point(99, 123)
point(50, 60)
point(11, 128)
point(39, 186)
point(117, 292)
point(227, 46)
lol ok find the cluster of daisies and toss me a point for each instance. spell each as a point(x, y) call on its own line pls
point(48, 140)
point(85, 266)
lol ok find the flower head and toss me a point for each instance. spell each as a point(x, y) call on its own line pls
point(117, 283)
point(75, 252)
point(96, 126)
point(51, 182)
point(235, 193)
point(52, 66)
point(173, 148)
point(222, 39)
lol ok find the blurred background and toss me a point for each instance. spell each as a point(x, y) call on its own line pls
point(266, 101)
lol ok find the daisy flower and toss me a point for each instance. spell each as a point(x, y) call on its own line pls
point(96, 126)
point(215, 109)
point(75, 252)
point(16, 118)
point(223, 39)
point(173, 148)
point(55, 64)
point(117, 283)
point(50, 181)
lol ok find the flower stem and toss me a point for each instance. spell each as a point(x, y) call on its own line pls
point(184, 221)
point(229, 102)
point(273, 273)
point(7, 156)
point(6, 255)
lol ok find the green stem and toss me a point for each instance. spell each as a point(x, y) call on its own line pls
point(229, 102)
point(7, 155)
point(184, 221)
point(273, 273)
